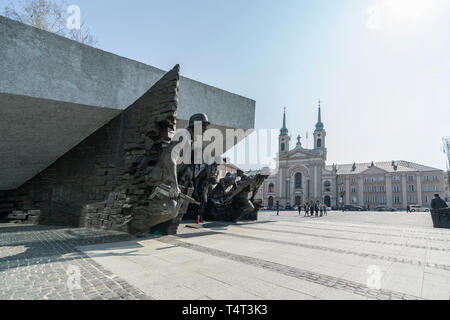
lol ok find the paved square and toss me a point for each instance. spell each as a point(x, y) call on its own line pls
point(290, 257)
point(278, 257)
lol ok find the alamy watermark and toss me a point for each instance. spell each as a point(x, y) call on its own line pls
point(258, 148)
point(73, 21)
point(74, 278)
point(374, 279)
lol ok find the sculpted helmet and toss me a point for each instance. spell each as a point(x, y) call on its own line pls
point(199, 117)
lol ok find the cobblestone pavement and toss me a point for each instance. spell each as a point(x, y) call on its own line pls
point(42, 262)
point(278, 257)
point(342, 256)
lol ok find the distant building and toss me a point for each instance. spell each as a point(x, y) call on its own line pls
point(447, 186)
point(226, 167)
point(303, 176)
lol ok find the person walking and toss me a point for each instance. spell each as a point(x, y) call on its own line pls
point(408, 208)
point(321, 210)
point(278, 208)
point(299, 210)
point(316, 207)
point(325, 210)
point(306, 209)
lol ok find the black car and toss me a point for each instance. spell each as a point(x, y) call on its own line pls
point(351, 207)
point(385, 209)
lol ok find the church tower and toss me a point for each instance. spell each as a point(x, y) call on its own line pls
point(284, 138)
point(319, 133)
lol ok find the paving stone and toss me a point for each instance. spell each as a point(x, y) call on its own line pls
point(39, 271)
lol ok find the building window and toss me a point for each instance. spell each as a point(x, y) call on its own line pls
point(410, 178)
point(298, 180)
point(366, 179)
point(397, 199)
point(319, 143)
point(426, 188)
point(412, 199)
point(426, 178)
point(367, 200)
point(427, 199)
point(283, 146)
point(353, 189)
point(435, 178)
point(327, 186)
point(374, 199)
point(381, 179)
point(382, 189)
point(396, 178)
point(354, 200)
point(411, 188)
point(374, 179)
point(353, 179)
point(271, 188)
point(374, 188)
point(341, 189)
point(435, 187)
point(383, 199)
point(366, 189)
point(396, 188)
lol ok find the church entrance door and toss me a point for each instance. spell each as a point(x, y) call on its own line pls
point(327, 201)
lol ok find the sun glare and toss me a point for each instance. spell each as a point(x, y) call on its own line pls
point(412, 9)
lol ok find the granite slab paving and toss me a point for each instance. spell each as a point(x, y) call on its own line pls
point(289, 257)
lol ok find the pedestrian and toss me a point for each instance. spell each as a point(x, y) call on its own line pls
point(321, 210)
point(325, 210)
point(408, 208)
point(316, 207)
point(306, 210)
point(299, 210)
point(437, 203)
point(278, 208)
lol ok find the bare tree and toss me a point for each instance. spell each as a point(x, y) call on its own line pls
point(50, 16)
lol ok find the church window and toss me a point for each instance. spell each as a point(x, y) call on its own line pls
point(298, 180)
point(319, 143)
point(283, 146)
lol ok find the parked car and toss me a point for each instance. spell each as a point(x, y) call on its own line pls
point(417, 208)
point(385, 209)
point(351, 207)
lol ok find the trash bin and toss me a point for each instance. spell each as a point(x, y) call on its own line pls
point(441, 218)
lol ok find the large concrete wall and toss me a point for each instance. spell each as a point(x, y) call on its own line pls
point(103, 182)
point(54, 92)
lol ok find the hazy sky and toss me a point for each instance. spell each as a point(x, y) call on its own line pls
point(381, 67)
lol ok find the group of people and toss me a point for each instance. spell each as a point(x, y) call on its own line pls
point(313, 209)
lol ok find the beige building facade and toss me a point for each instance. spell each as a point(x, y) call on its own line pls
point(303, 176)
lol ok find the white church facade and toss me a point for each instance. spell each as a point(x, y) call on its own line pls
point(302, 175)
